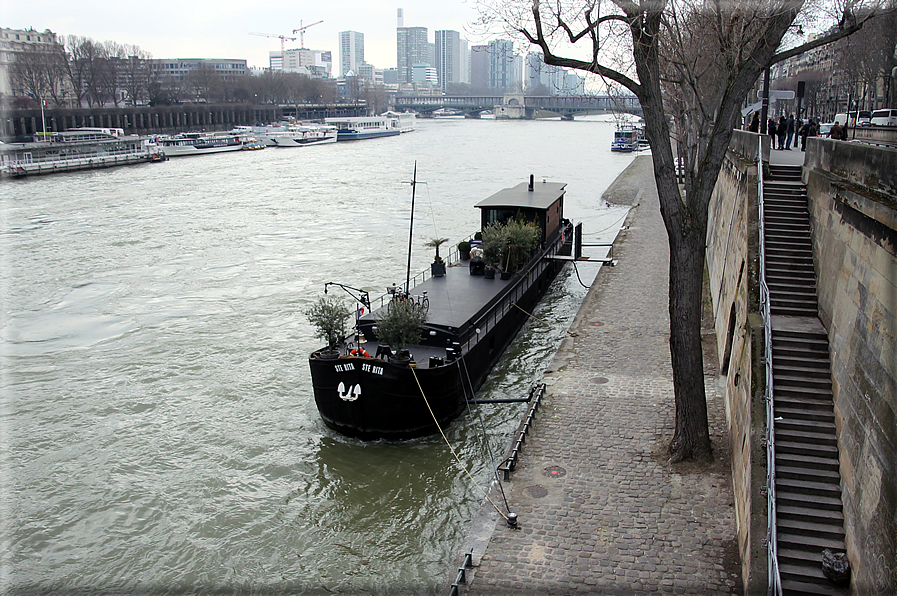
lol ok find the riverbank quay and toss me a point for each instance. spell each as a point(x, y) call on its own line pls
point(600, 509)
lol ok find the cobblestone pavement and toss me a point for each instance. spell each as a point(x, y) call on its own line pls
point(600, 509)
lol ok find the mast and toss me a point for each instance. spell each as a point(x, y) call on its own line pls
point(410, 230)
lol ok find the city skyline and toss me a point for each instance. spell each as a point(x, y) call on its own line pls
point(206, 29)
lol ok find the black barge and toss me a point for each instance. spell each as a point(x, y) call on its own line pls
point(470, 322)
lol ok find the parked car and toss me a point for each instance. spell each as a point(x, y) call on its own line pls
point(825, 129)
point(884, 118)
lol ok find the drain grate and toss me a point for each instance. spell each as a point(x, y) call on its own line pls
point(536, 491)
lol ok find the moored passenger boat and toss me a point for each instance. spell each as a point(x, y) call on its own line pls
point(199, 143)
point(290, 135)
point(625, 139)
point(75, 149)
point(364, 127)
point(369, 391)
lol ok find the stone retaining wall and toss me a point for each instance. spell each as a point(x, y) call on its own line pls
point(853, 210)
point(733, 270)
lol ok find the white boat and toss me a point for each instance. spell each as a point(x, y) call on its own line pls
point(290, 135)
point(199, 143)
point(364, 127)
point(404, 120)
point(303, 135)
point(625, 139)
point(76, 149)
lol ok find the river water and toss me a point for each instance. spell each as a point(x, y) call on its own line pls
point(157, 425)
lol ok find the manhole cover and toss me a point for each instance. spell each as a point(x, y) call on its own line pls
point(599, 380)
point(537, 492)
point(554, 471)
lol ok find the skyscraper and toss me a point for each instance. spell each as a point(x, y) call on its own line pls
point(411, 48)
point(502, 65)
point(351, 51)
point(449, 64)
point(479, 67)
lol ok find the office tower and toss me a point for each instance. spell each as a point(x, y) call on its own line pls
point(479, 67)
point(351, 51)
point(502, 65)
point(449, 63)
point(411, 48)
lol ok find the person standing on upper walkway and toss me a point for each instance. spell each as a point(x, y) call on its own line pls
point(789, 129)
point(782, 132)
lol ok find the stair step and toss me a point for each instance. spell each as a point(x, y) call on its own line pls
point(797, 360)
point(788, 425)
point(794, 312)
point(782, 381)
point(806, 449)
point(798, 588)
point(795, 460)
point(788, 244)
point(809, 407)
point(818, 516)
point(812, 487)
point(805, 344)
point(807, 474)
point(790, 370)
point(808, 543)
point(810, 416)
point(774, 273)
point(802, 437)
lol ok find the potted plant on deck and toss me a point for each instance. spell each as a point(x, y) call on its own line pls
point(330, 318)
point(464, 250)
point(399, 326)
point(492, 245)
point(437, 267)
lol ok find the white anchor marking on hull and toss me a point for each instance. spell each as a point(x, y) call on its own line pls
point(352, 394)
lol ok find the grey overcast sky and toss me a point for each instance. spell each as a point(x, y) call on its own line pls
point(221, 28)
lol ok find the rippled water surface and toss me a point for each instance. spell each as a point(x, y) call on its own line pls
point(158, 429)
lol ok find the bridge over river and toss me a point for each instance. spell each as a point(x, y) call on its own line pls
point(518, 105)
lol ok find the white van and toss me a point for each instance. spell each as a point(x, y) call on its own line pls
point(884, 118)
point(861, 118)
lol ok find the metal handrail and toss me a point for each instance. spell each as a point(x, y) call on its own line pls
point(774, 585)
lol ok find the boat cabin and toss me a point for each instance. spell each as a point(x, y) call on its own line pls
point(541, 202)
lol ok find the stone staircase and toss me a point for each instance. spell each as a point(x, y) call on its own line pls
point(808, 480)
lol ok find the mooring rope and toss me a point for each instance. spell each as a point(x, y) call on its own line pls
point(501, 488)
point(576, 269)
point(452, 449)
point(568, 332)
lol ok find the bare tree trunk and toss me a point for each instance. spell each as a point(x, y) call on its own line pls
point(691, 439)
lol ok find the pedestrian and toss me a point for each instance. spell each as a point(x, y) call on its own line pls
point(804, 132)
point(836, 132)
point(789, 129)
point(755, 123)
point(771, 131)
point(781, 132)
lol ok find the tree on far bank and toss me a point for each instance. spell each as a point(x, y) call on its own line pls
point(691, 64)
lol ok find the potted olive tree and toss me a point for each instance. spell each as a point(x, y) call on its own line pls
point(519, 240)
point(400, 325)
point(437, 267)
point(492, 246)
point(330, 318)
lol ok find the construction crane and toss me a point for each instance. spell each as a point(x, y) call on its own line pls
point(301, 32)
point(282, 38)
